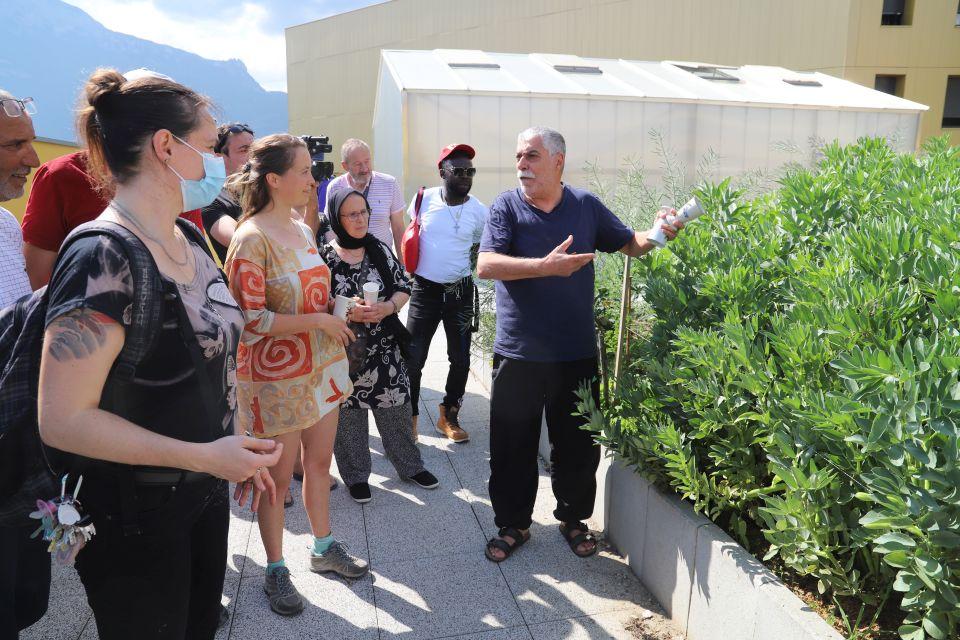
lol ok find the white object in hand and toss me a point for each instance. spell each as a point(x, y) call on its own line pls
point(342, 306)
point(690, 211)
point(370, 292)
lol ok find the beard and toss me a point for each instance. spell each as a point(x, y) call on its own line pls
point(11, 191)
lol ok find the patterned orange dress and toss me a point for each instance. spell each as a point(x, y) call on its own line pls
point(285, 382)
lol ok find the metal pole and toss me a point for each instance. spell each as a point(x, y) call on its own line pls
point(622, 325)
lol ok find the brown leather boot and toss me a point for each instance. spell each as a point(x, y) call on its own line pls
point(449, 425)
point(415, 427)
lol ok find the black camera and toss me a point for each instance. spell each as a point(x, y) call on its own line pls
point(318, 146)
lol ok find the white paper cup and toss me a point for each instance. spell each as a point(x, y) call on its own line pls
point(370, 292)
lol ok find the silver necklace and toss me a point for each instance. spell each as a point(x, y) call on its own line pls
point(456, 217)
point(126, 215)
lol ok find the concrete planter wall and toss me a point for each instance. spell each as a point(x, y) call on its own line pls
point(709, 585)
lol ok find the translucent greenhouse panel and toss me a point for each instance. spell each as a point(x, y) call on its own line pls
point(828, 125)
point(483, 133)
point(683, 131)
point(847, 131)
point(867, 124)
point(888, 126)
point(631, 136)
point(423, 111)
point(756, 144)
point(805, 133)
point(733, 135)
point(573, 125)
point(707, 139)
point(656, 118)
point(599, 137)
point(387, 128)
point(452, 121)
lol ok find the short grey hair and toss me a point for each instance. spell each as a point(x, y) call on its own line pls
point(552, 140)
point(351, 145)
point(6, 95)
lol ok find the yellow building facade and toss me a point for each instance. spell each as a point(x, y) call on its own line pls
point(332, 64)
point(47, 149)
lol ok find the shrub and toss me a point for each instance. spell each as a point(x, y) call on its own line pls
point(800, 375)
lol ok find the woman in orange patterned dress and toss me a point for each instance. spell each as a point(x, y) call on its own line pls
point(291, 365)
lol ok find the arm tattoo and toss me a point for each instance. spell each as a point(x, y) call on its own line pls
point(78, 334)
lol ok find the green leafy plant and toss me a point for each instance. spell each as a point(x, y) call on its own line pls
point(793, 372)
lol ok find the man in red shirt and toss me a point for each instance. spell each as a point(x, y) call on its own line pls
point(64, 195)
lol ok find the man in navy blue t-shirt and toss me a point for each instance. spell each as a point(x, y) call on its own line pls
point(539, 244)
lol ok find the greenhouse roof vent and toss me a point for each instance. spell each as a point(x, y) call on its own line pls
point(572, 68)
point(709, 72)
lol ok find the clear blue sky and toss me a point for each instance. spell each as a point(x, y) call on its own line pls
point(251, 30)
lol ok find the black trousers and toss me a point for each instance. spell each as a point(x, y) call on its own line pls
point(430, 304)
point(24, 579)
point(164, 583)
point(520, 394)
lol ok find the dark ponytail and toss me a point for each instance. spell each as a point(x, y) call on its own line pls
point(118, 117)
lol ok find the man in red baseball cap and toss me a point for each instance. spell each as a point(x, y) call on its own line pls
point(451, 223)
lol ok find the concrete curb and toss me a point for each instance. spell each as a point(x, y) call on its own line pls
point(710, 586)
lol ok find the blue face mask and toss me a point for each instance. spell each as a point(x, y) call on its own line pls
point(199, 193)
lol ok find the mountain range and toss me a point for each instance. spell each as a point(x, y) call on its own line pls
point(50, 48)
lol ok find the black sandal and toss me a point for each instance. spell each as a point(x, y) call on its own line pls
point(288, 503)
point(576, 540)
point(502, 545)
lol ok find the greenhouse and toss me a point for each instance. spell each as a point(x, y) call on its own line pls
point(751, 117)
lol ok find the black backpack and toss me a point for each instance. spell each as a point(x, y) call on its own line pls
point(28, 469)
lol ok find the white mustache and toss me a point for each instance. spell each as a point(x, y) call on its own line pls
point(526, 174)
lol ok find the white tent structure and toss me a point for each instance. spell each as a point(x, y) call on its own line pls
point(748, 116)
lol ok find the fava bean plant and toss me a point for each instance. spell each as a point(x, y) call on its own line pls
point(795, 376)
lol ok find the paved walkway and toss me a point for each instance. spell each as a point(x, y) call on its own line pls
point(429, 578)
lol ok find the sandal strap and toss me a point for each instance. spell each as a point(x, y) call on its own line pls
point(500, 544)
point(514, 533)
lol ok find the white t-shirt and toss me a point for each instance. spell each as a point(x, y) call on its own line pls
point(444, 242)
point(384, 195)
point(14, 283)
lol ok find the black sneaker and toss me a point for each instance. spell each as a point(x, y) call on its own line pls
point(360, 492)
point(426, 480)
point(224, 616)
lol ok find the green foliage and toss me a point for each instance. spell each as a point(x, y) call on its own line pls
point(799, 374)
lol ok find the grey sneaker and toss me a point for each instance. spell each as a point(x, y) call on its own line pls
point(284, 597)
point(337, 559)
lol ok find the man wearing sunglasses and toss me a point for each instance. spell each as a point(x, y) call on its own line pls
point(17, 158)
point(451, 223)
point(220, 216)
point(24, 563)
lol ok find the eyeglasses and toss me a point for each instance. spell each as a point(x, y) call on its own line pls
point(356, 216)
point(225, 131)
point(16, 108)
point(461, 172)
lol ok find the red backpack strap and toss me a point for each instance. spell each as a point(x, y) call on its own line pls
point(416, 206)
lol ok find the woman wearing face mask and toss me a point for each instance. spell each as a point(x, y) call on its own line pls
point(292, 366)
point(379, 373)
point(158, 454)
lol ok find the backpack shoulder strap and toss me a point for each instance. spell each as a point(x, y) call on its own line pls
point(147, 293)
point(416, 206)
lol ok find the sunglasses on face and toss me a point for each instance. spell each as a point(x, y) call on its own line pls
point(356, 216)
point(15, 108)
point(462, 172)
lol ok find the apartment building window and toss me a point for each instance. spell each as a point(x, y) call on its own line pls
point(889, 84)
point(897, 12)
point(951, 103)
point(956, 21)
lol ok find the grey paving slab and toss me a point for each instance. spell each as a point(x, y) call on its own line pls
point(513, 633)
point(347, 525)
point(336, 610)
point(604, 626)
point(551, 583)
point(441, 597)
point(411, 532)
point(67, 613)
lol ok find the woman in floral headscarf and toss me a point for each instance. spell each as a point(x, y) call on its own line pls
point(377, 369)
